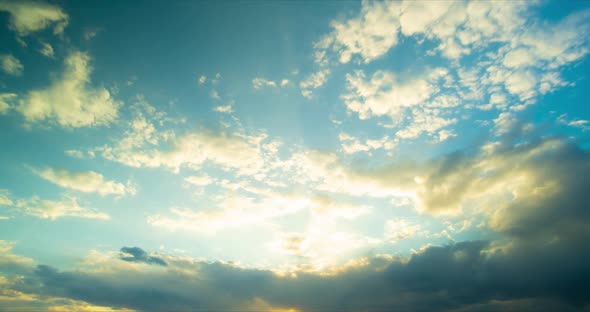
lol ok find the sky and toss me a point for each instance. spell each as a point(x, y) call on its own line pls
point(294, 156)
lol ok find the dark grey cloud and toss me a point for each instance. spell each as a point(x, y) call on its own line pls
point(457, 276)
point(139, 255)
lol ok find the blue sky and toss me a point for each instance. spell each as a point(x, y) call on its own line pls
point(312, 143)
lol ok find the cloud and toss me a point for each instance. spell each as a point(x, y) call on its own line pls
point(84, 181)
point(11, 65)
point(399, 229)
point(4, 198)
point(384, 94)
point(201, 180)
point(27, 17)
point(214, 95)
point(258, 83)
point(371, 34)
point(46, 49)
point(202, 79)
point(234, 152)
point(49, 209)
point(351, 145)
point(227, 109)
point(5, 99)
point(313, 81)
point(514, 64)
point(136, 254)
point(577, 123)
point(70, 101)
point(232, 212)
point(17, 294)
point(434, 278)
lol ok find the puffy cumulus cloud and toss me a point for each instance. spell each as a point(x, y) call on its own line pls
point(384, 94)
point(370, 34)
point(136, 254)
point(11, 65)
point(49, 209)
point(84, 181)
point(31, 16)
point(70, 101)
point(457, 26)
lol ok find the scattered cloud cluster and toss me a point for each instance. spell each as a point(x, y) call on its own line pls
point(490, 61)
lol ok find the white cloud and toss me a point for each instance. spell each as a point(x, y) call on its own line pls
point(370, 35)
point(48, 209)
point(351, 145)
point(577, 123)
point(199, 180)
point(399, 229)
point(518, 58)
point(240, 153)
point(46, 49)
point(4, 198)
point(443, 135)
point(424, 121)
point(202, 79)
point(384, 94)
point(214, 95)
point(416, 17)
point(232, 212)
point(5, 99)
point(313, 81)
point(70, 101)
point(329, 210)
point(84, 181)
point(11, 65)
point(224, 109)
point(258, 83)
point(509, 72)
point(522, 84)
point(31, 16)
